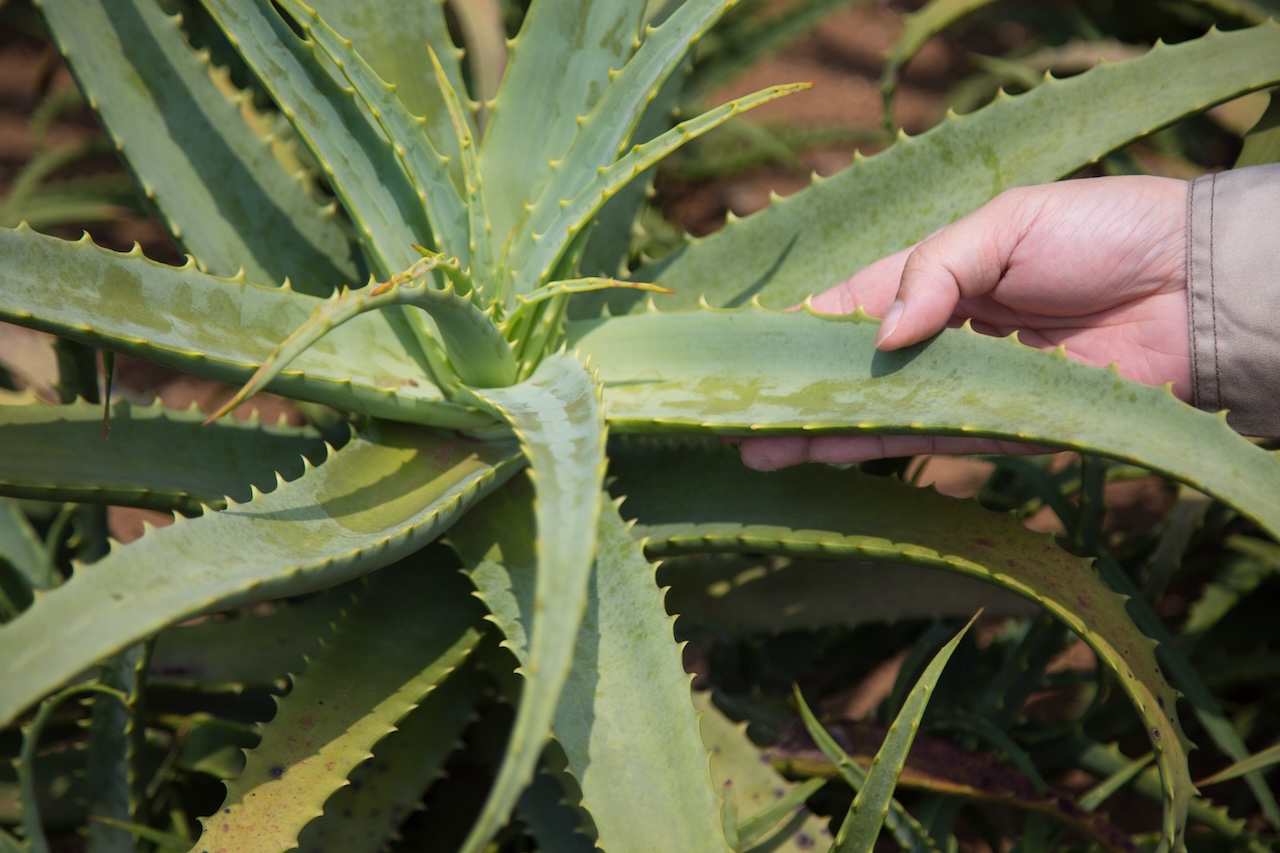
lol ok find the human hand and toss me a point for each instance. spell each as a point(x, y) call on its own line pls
point(1097, 266)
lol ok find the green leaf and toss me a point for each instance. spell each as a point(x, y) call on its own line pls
point(626, 667)
point(392, 44)
point(755, 371)
point(358, 159)
point(1263, 760)
point(910, 835)
point(861, 828)
point(213, 327)
point(738, 770)
point(387, 493)
point(426, 168)
point(23, 554)
point(556, 222)
point(363, 816)
point(155, 457)
point(558, 419)
point(719, 505)
point(215, 182)
point(559, 65)
point(814, 239)
point(400, 638)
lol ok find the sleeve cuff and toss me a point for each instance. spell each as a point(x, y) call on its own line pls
point(1233, 296)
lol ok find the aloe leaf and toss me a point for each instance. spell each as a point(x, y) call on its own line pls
point(558, 66)
point(809, 241)
point(364, 816)
point(22, 549)
point(555, 223)
point(755, 371)
point(426, 168)
point(737, 769)
point(918, 28)
point(811, 511)
point(480, 353)
point(908, 832)
point(116, 736)
point(357, 158)
point(155, 457)
point(773, 597)
point(214, 327)
point(220, 191)
point(558, 419)
point(401, 637)
point(861, 828)
point(480, 246)
point(387, 493)
point(626, 667)
point(393, 46)
point(1262, 142)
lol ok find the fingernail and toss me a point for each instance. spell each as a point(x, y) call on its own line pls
point(890, 321)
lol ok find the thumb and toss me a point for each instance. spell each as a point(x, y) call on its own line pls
point(967, 258)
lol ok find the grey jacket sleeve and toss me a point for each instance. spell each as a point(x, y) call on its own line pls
point(1233, 296)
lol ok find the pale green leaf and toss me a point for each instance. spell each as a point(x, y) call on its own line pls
point(626, 667)
point(755, 371)
point(153, 457)
point(558, 68)
point(814, 239)
point(387, 493)
point(357, 158)
point(214, 327)
point(215, 182)
point(426, 168)
point(558, 419)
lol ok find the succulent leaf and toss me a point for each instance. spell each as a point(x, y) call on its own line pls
point(213, 327)
point(557, 417)
point(155, 458)
point(222, 194)
point(556, 223)
point(400, 639)
point(559, 64)
point(307, 534)
point(756, 371)
point(426, 168)
point(816, 238)
point(626, 667)
point(844, 514)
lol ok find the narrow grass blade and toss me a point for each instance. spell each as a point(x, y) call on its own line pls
point(908, 832)
point(1263, 760)
point(861, 828)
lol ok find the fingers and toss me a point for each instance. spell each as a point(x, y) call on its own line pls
point(967, 258)
point(872, 288)
point(776, 452)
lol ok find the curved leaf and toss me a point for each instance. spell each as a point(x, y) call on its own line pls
point(385, 494)
point(557, 416)
point(400, 639)
point(215, 182)
point(155, 457)
point(719, 505)
point(809, 241)
point(214, 327)
point(756, 371)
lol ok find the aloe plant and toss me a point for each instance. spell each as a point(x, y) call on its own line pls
point(441, 278)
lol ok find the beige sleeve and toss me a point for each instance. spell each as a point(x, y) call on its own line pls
point(1233, 296)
